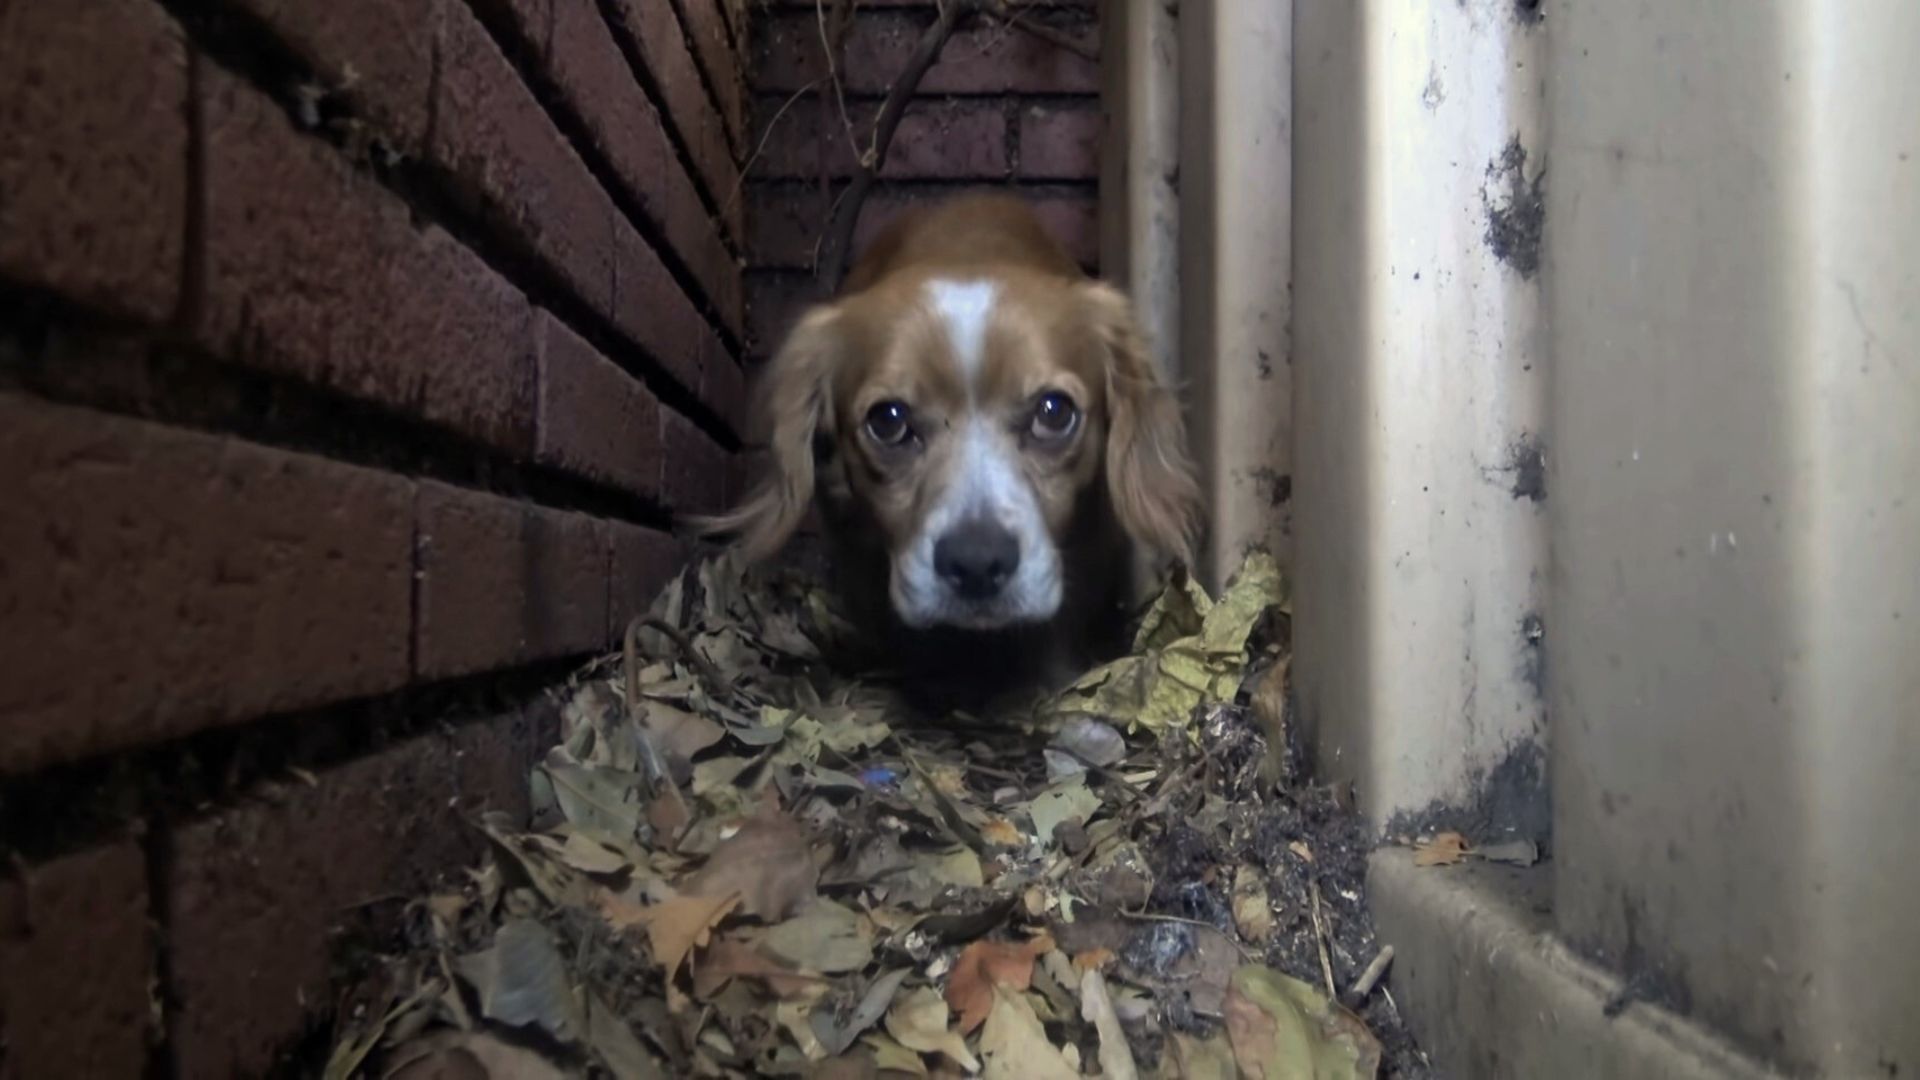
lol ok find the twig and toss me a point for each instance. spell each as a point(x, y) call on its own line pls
point(699, 663)
point(832, 267)
point(1320, 939)
point(1363, 986)
point(830, 42)
point(740, 185)
point(1052, 35)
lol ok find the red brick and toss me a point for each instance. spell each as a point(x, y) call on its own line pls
point(315, 271)
point(595, 419)
point(502, 149)
point(788, 221)
point(656, 35)
point(936, 140)
point(259, 895)
point(694, 467)
point(707, 32)
point(643, 562)
point(979, 59)
point(651, 309)
point(93, 152)
point(75, 960)
point(1060, 144)
point(504, 582)
point(156, 581)
point(376, 54)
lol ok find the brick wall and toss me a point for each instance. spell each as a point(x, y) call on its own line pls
point(356, 359)
point(1001, 109)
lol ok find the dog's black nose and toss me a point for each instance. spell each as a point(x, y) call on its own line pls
point(976, 558)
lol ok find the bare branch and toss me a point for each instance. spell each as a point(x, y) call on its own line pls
point(832, 267)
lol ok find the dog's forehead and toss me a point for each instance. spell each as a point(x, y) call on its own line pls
point(999, 338)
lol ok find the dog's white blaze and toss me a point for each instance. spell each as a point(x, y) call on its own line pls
point(965, 307)
point(988, 484)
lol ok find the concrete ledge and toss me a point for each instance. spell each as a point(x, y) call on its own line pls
point(1491, 993)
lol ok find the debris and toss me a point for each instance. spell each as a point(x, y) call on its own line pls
point(1282, 1028)
point(746, 862)
point(1441, 849)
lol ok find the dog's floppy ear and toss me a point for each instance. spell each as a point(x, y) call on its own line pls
point(795, 404)
point(1150, 471)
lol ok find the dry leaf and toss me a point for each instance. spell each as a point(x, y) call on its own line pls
point(1199, 1059)
point(1116, 1059)
point(1282, 1028)
point(473, 1055)
point(521, 980)
point(768, 863)
point(727, 959)
point(918, 1021)
point(1015, 1044)
point(825, 937)
point(1000, 832)
point(674, 927)
point(1442, 849)
point(1252, 914)
point(984, 965)
point(890, 1056)
point(1092, 959)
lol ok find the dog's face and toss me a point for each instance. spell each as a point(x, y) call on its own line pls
point(967, 418)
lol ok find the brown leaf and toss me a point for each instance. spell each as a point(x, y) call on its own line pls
point(1092, 960)
point(674, 927)
point(768, 863)
point(1443, 849)
point(984, 965)
point(727, 959)
point(1015, 1043)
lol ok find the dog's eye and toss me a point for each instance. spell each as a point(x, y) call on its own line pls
point(889, 423)
point(1055, 417)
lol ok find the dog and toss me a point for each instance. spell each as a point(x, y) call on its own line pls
point(987, 444)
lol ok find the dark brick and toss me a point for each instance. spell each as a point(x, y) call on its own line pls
point(654, 31)
point(725, 388)
point(503, 151)
point(980, 59)
point(595, 419)
point(694, 467)
point(643, 561)
point(1059, 144)
point(315, 271)
point(93, 152)
point(376, 54)
point(259, 895)
point(713, 49)
point(960, 139)
point(651, 309)
point(75, 963)
point(504, 583)
point(789, 220)
point(156, 581)
point(579, 55)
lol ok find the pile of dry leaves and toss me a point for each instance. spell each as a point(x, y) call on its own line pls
point(745, 863)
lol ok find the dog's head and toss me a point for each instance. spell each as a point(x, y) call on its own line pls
point(965, 417)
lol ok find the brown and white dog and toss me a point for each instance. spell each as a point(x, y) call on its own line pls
point(986, 439)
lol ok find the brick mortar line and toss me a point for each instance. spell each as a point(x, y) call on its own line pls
point(156, 851)
point(553, 102)
point(708, 85)
point(66, 808)
point(266, 63)
point(179, 380)
point(629, 50)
